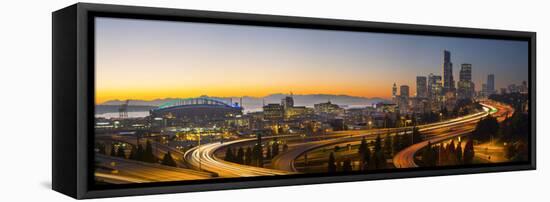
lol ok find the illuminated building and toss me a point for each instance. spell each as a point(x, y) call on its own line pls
point(404, 91)
point(327, 108)
point(435, 86)
point(490, 84)
point(403, 99)
point(421, 86)
point(394, 92)
point(273, 112)
point(287, 102)
point(466, 87)
point(297, 112)
point(196, 111)
point(448, 80)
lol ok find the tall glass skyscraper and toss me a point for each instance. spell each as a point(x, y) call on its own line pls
point(490, 84)
point(448, 80)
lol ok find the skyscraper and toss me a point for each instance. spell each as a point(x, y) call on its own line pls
point(404, 91)
point(288, 102)
point(403, 99)
point(434, 86)
point(421, 87)
point(465, 72)
point(466, 87)
point(448, 80)
point(394, 91)
point(490, 84)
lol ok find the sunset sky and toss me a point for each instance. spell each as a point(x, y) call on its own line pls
point(148, 59)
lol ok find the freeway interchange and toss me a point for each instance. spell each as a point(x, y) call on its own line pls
point(202, 162)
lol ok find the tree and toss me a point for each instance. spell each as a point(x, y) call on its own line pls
point(331, 163)
point(388, 149)
point(362, 146)
point(468, 152)
point(240, 156)
point(486, 128)
point(416, 135)
point(459, 152)
point(396, 144)
point(428, 156)
point(378, 144)
point(268, 153)
point(120, 152)
point(346, 166)
point(258, 155)
point(167, 160)
point(139, 153)
point(148, 155)
point(275, 147)
point(366, 158)
point(248, 156)
point(133, 154)
point(113, 151)
point(229, 155)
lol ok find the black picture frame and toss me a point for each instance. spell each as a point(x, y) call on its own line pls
point(73, 97)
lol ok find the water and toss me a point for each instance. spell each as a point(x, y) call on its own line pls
point(138, 114)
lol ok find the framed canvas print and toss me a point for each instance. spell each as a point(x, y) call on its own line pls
point(155, 100)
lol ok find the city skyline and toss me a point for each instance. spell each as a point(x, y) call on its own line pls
point(194, 59)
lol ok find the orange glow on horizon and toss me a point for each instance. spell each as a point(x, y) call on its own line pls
point(152, 94)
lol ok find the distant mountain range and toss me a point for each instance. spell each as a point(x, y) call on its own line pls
point(254, 103)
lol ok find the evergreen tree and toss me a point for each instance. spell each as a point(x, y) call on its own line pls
point(148, 155)
point(240, 156)
point(140, 153)
point(275, 147)
point(416, 135)
point(486, 128)
point(388, 146)
point(366, 156)
point(331, 163)
point(113, 151)
point(362, 146)
point(257, 155)
point(229, 155)
point(133, 154)
point(378, 144)
point(268, 153)
point(168, 160)
point(428, 155)
point(459, 153)
point(396, 144)
point(120, 152)
point(346, 166)
point(380, 160)
point(469, 152)
point(248, 156)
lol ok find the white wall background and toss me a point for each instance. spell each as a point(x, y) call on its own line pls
point(25, 92)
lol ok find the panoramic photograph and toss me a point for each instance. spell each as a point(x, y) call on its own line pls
point(186, 101)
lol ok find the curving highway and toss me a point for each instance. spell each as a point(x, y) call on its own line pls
point(203, 158)
point(405, 158)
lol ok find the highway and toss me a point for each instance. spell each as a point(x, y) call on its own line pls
point(405, 158)
point(158, 149)
point(203, 157)
point(120, 171)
